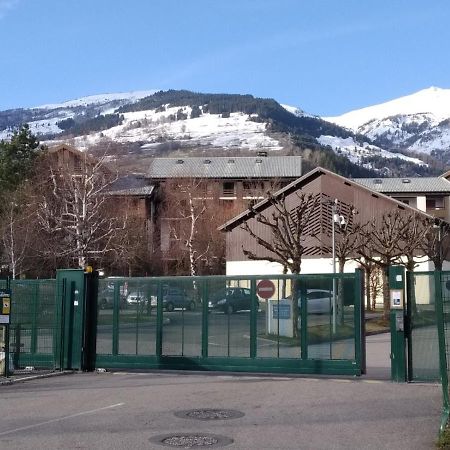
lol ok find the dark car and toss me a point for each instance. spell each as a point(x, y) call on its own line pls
point(231, 299)
point(174, 297)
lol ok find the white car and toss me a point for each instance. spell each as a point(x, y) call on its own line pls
point(320, 301)
point(134, 298)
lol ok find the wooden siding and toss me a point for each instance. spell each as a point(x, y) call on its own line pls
point(329, 186)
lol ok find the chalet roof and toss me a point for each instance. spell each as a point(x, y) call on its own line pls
point(435, 185)
point(226, 167)
point(297, 185)
point(131, 185)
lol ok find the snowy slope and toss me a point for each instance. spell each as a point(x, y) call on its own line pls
point(433, 101)
point(356, 151)
point(170, 128)
point(418, 122)
point(151, 128)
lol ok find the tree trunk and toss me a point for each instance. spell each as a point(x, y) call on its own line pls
point(386, 296)
point(295, 306)
point(340, 296)
point(368, 299)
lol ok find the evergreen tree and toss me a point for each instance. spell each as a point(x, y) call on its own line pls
point(17, 158)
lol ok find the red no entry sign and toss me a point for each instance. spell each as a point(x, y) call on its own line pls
point(265, 289)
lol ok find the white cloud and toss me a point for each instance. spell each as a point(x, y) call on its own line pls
point(6, 6)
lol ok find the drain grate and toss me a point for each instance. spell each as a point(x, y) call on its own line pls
point(209, 414)
point(192, 440)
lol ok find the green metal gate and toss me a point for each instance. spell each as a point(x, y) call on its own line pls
point(226, 323)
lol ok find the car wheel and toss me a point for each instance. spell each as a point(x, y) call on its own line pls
point(229, 309)
point(191, 306)
point(169, 307)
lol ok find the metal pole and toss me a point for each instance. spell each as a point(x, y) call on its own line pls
point(333, 245)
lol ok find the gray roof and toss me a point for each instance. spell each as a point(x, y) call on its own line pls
point(226, 167)
point(406, 185)
point(131, 185)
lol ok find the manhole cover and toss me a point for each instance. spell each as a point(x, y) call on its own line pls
point(209, 414)
point(192, 440)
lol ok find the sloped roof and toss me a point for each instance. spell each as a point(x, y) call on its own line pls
point(298, 184)
point(131, 185)
point(437, 185)
point(226, 167)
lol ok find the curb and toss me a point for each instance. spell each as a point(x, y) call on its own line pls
point(22, 379)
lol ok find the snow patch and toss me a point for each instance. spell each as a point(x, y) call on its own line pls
point(433, 101)
point(99, 99)
point(355, 151)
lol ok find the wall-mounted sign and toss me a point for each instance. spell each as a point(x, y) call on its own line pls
point(397, 299)
point(5, 306)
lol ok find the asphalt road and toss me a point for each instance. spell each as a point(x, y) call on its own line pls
point(128, 411)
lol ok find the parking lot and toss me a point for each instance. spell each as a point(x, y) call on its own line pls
point(140, 410)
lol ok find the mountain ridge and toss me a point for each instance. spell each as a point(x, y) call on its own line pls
point(181, 121)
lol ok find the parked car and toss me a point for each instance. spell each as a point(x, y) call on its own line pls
point(174, 297)
point(136, 297)
point(319, 301)
point(231, 299)
point(106, 299)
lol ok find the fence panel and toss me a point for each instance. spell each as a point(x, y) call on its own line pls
point(424, 343)
point(34, 323)
point(280, 323)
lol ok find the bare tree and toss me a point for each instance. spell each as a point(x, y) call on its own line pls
point(73, 210)
point(347, 240)
point(375, 285)
point(436, 242)
point(189, 232)
point(288, 231)
point(17, 232)
point(388, 240)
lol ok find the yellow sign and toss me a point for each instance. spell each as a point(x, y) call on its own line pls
point(6, 305)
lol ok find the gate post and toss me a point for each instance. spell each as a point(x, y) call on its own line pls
point(78, 296)
point(397, 323)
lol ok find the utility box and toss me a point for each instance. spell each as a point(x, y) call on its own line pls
point(279, 317)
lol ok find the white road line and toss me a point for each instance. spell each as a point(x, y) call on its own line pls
point(59, 419)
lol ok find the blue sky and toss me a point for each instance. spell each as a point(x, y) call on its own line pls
point(325, 56)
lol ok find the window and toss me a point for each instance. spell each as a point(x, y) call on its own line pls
point(435, 203)
point(77, 165)
point(228, 189)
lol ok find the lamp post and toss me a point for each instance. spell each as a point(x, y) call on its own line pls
point(340, 220)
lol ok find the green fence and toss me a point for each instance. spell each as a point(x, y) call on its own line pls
point(34, 323)
point(428, 350)
point(225, 323)
point(423, 345)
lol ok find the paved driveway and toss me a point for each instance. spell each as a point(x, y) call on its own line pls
point(128, 411)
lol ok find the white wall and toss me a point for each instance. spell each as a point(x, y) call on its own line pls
point(309, 266)
point(422, 203)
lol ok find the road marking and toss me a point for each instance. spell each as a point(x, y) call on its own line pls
point(59, 419)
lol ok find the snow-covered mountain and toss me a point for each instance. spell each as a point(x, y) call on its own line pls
point(147, 123)
point(45, 119)
point(419, 122)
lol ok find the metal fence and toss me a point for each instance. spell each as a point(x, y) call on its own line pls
point(34, 323)
point(429, 312)
point(225, 323)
